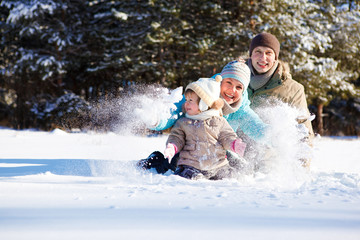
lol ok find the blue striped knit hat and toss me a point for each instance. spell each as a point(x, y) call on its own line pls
point(237, 70)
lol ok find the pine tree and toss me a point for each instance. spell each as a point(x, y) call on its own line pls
point(186, 40)
point(53, 52)
point(39, 35)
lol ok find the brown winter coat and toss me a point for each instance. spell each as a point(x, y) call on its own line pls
point(202, 143)
point(281, 86)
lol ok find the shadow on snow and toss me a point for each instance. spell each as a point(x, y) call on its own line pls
point(22, 167)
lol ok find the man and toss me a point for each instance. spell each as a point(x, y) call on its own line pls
point(270, 78)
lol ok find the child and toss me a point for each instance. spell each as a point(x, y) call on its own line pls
point(203, 135)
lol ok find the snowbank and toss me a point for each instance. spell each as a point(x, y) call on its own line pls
point(59, 185)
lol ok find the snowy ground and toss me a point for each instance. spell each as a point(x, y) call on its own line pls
point(59, 185)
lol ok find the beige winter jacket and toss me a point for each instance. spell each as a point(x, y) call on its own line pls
point(202, 143)
point(282, 87)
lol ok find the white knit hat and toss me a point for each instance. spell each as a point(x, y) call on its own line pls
point(208, 90)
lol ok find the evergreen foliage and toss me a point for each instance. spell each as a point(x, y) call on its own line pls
point(77, 52)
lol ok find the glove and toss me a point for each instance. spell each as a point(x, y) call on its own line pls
point(170, 151)
point(238, 147)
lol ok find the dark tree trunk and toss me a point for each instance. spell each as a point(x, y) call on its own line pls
point(320, 119)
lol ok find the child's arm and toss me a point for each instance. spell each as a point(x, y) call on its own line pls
point(175, 142)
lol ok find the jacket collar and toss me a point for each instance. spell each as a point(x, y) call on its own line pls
point(277, 79)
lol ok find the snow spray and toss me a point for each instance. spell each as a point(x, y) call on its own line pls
point(134, 111)
point(283, 168)
point(151, 110)
point(280, 168)
point(132, 114)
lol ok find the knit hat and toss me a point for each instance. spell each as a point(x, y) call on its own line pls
point(208, 90)
point(266, 40)
point(237, 70)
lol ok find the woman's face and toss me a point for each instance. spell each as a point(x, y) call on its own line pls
point(231, 90)
point(263, 59)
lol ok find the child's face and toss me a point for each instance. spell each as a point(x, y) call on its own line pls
point(192, 104)
point(231, 90)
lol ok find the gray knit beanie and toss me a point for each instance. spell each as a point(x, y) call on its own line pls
point(237, 70)
point(266, 40)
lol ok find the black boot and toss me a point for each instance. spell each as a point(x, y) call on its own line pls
point(155, 160)
point(174, 161)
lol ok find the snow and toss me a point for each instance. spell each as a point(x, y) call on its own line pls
point(29, 10)
point(119, 15)
point(59, 185)
point(165, 100)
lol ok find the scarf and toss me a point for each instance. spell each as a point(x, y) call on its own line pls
point(259, 80)
point(204, 115)
point(227, 108)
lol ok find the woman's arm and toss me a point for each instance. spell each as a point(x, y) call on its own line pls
point(173, 116)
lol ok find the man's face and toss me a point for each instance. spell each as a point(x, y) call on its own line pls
point(263, 59)
point(231, 90)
